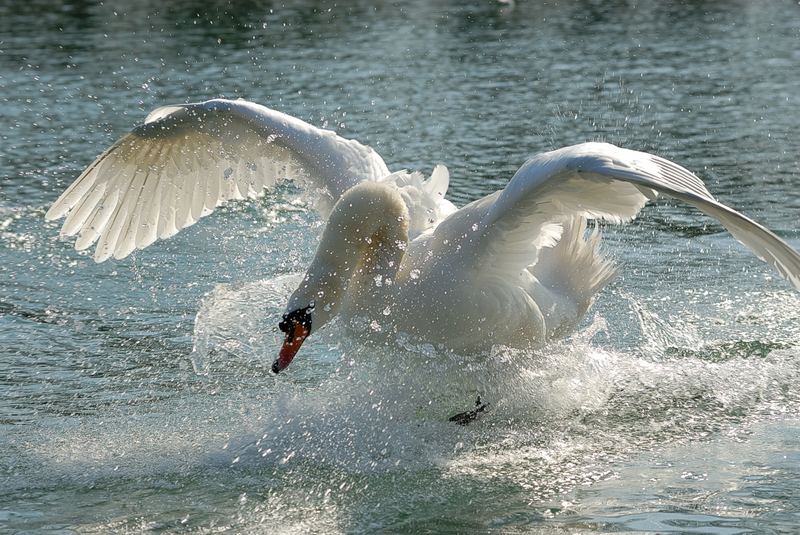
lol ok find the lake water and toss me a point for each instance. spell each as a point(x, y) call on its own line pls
point(135, 394)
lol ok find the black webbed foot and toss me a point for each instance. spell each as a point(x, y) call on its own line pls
point(464, 418)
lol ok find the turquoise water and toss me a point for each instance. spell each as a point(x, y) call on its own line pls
point(134, 394)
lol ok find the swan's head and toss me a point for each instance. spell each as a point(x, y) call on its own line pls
point(296, 326)
point(365, 236)
point(312, 305)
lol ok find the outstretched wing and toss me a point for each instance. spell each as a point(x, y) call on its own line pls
point(602, 181)
point(186, 160)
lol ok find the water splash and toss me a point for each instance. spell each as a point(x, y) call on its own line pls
point(351, 421)
point(240, 320)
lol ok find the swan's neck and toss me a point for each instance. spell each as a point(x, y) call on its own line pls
point(359, 254)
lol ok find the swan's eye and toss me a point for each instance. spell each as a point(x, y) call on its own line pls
point(300, 316)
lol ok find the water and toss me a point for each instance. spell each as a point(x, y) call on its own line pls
point(134, 395)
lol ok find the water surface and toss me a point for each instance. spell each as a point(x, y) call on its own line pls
point(134, 394)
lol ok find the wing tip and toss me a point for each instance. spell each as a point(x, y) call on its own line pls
point(56, 211)
point(101, 255)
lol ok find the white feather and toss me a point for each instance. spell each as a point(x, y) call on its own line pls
point(181, 154)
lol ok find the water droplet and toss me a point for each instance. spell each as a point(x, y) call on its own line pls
point(387, 311)
point(414, 274)
point(375, 326)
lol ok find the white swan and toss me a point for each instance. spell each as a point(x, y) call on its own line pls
point(513, 268)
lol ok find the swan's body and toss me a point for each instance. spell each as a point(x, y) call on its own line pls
point(443, 287)
point(512, 268)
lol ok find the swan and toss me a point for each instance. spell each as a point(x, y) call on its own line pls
point(516, 267)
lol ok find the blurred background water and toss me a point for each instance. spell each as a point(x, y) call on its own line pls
point(134, 394)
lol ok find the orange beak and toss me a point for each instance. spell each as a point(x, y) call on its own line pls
point(291, 345)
